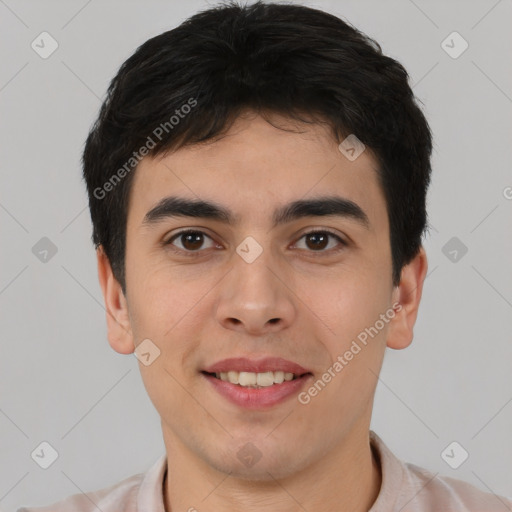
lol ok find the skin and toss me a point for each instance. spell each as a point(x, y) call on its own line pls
point(199, 311)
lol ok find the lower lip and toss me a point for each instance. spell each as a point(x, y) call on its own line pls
point(258, 398)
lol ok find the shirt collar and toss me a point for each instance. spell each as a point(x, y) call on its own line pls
point(150, 496)
point(392, 473)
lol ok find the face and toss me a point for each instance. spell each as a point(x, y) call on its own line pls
point(301, 287)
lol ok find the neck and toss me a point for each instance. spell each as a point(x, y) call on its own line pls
point(348, 478)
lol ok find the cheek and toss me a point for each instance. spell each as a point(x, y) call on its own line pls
point(155, 289)
point(352, 303)
point(355, 349)
point(170, 311)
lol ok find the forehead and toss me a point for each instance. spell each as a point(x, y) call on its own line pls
point(257, 167)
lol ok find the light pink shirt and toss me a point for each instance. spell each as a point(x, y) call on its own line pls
point(405, 488)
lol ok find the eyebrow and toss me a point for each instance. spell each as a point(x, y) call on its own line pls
point(171, 207)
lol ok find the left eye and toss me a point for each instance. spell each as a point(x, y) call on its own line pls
point(192, 241)
point(318, 240)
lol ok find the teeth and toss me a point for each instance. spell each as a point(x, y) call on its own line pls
point(247, 379)
point(255, 380)
point(279, 377)
point(232, 377)
point(265, 379)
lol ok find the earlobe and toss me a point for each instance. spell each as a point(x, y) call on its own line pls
point(408, 296)
point(119, 330)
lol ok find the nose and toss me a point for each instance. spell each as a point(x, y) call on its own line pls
point(255, 298)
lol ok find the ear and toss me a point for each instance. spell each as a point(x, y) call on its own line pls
point(120, 334)
point(407, 296)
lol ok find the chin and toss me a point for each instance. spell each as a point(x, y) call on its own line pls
point(249, 463)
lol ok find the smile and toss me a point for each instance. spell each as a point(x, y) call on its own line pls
point(255, 380)
point(248, 394)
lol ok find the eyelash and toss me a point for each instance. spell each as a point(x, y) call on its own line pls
point(197, 253)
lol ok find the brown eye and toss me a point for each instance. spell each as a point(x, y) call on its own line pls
point(191, 241)
point(317, 241)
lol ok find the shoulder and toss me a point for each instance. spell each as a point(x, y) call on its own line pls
point(115, 498)
point(434, 491)
point(407, 487)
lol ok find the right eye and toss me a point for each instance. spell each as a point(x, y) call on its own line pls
point(190, 240)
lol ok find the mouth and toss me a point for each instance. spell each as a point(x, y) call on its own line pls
point(256, 384)
point(255, 380)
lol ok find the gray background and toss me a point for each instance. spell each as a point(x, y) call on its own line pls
point(61, 382)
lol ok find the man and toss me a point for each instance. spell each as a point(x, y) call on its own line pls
point(257, 181)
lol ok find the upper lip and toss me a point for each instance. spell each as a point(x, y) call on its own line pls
point(266, 364)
